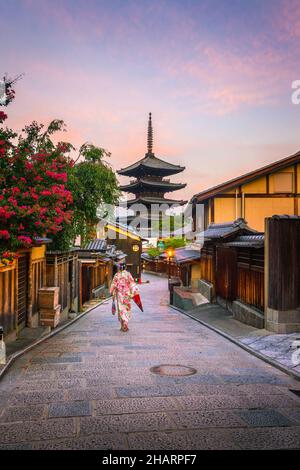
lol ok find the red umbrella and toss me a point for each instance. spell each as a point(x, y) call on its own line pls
point(137, 300)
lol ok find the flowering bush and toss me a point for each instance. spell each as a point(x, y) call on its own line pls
point(44, 193)
point(34, 201)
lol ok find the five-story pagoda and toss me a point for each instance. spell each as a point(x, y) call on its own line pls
point(149, 186)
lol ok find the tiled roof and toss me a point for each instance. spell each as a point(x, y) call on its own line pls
point(220, 231)
point(151, 163)
point(141, 184)
point(99, 248)
point(120, 255)
point(111, 249)
point(286, 216)
point(152, 200)
point(98, 244)
point(146, 257)
point(183, 255)
point(42, 240)
point(254, 241)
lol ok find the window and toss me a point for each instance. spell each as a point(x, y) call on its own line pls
point(283, 183)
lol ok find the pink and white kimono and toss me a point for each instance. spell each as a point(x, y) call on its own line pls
point(123, 288)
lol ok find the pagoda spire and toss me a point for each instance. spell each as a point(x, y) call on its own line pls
point(150, 135)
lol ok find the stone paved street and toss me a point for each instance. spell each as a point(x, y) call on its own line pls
point(90, 387)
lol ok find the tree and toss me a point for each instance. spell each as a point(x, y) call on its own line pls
point(94, 186)
point(44, 192)
point(172, 242)
point(34, 201)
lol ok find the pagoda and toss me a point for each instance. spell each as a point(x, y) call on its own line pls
point(149, 185)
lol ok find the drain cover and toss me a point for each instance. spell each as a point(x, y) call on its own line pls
point(173, 370)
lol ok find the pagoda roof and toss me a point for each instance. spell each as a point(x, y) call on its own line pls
point(151, 165)
point(164, 186)
point(152, 200)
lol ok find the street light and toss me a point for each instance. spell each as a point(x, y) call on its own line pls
point(170, 254)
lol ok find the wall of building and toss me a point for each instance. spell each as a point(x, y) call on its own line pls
point(257, 209)
point(195, 274)
point(38, 252)
point(224, 209)
point(130, 244)
point(254, 201)
point(8, 297)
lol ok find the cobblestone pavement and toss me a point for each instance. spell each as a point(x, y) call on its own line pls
point(90, 387)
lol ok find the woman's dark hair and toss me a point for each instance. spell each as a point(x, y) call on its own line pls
point(122, 266)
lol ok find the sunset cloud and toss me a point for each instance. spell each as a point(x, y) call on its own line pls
point(215, 74)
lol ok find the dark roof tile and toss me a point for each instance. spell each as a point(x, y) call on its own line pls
point(151, 163)
point(226, 229)
point(254, 241)
point(98, 244)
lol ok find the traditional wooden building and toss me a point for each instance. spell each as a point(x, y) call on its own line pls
point(149, 185)
point(128, 241)
point(96, 269)
point(254, 275)
point(19, 286)
point(232, 270)
point(272, 189)
point(282, 274)
point(62, 272)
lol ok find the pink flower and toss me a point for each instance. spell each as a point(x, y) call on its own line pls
point(46, 192)
point(13, 201)
point(4, 234)
point(5, 213)
point(3, 116)
point(57, 176)
point(58, 220)
point(26, 241)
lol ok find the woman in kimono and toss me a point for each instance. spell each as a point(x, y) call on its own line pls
point(123, 288)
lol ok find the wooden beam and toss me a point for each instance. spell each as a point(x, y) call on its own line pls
point(295, 189)
point(256, 195)
point(212, 210)
point(268, 184)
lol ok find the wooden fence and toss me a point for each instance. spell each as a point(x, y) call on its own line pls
point(37, 279)
point(207, 264)
point(19, 286)
point(8, 297)
point(250, 277)
point(62, 271)
point(240, 275)
point(93, 274)
point(284, 262)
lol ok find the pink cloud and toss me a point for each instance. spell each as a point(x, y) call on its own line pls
point(286, 20)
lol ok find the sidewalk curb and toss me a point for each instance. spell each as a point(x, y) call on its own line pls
point(264, 358)
point(18, 354)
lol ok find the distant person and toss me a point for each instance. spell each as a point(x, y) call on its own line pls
point(123, 288)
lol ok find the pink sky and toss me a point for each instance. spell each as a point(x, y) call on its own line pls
point(215, 74)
